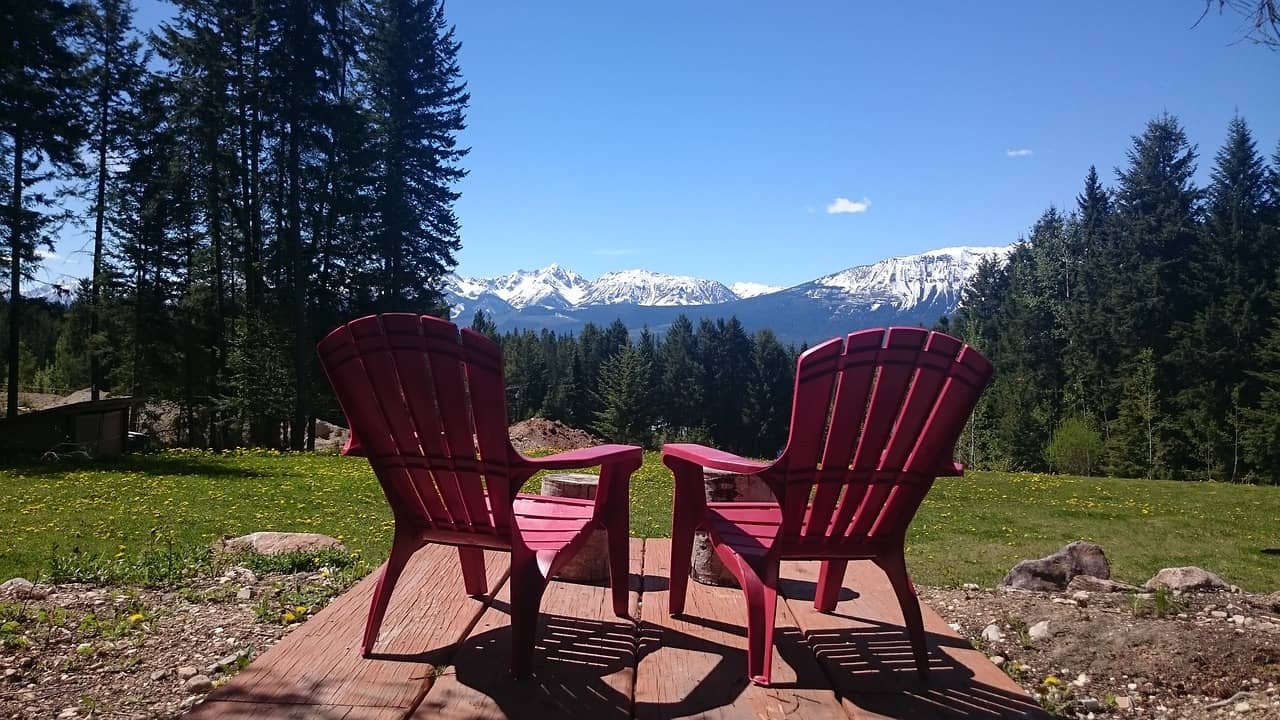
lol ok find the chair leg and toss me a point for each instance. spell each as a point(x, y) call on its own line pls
point(684, 520)
point(527, 586)
point(402, 548)
point(895, 566)
point(830, 582)
point(762, 602)
point(619, 539)
point(473, 575)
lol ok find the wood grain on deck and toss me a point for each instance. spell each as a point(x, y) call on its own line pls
point(443, 654)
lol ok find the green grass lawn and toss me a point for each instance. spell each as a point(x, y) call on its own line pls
point(969, 529)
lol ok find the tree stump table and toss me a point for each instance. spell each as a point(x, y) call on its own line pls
point(722, 486)
point(591, 563)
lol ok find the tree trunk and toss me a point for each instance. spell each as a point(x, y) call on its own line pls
point(297, 425)
point(100, 210)
point(15, 269)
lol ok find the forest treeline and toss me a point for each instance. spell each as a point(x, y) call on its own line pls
point(255, 172)
point(1136, 334)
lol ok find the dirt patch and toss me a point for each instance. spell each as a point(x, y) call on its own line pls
point(1186, 656)
point(543, 434)
point(83, 651)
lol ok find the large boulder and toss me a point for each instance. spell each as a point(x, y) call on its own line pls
point(279, 543)
point(1186, 579)
point(1055, 571)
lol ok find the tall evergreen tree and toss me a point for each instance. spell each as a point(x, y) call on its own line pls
point(417, 103)
point(41, 119)
point(117, 66)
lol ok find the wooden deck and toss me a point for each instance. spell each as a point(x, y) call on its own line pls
point(445, 655)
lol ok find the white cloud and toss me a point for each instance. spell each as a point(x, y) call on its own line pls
point(845, 206)
point(1018, 152)
point(613, 252)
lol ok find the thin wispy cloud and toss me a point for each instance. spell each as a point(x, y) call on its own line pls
point(1018, 152)
point(845, 206)
point(614, 252)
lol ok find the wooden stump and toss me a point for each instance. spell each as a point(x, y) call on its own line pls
point(591, 563)
point(723, 487)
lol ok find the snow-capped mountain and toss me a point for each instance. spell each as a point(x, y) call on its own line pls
point(551, 286)
point(746, 290)
point(642, 287)
point(909, 290)
point(905, 282)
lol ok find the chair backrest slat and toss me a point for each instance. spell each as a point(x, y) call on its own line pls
point(901, 399)
point(422, 399)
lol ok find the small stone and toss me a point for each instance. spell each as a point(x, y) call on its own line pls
point(1081, 680)
point(1090, 705)
point(242, 575)
point(246, 593)
point(69, 712)
point(1039, 631)
point(1218, 614)
point(1242, 707)
point(1064, 601)
point(186, 672)
point(11, 674)
point(997, 660)
point(991, 633)
point(198, 684)
point(1186, 579)
point(1237, 619)
point(161, 674)
point(1123, 702)
point(970, 586)
point(1081, 597)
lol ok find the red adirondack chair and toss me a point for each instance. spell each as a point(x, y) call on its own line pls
point(426, 405)
point(875, 419)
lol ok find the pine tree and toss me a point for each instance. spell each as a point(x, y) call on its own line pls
point(417, 102)
point(116, 69)
point(40, 113)
point(626, 398)
point(769, 394)
point(681, 400)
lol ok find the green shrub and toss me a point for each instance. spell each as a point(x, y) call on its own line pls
point(1075, 449)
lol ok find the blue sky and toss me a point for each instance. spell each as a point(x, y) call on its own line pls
point(710, 138)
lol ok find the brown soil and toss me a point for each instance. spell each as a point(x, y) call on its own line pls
point(541, 434)
point(1210, 654)
point(1107, 660)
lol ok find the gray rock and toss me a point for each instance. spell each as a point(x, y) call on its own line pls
point(186, 672)
point(1039, 631)
point(161, 674)
point(997, 660)
point(198, 684)
point(245, 593)
point(241, 575)
point(1089, 705)
point(1080, 596)
point(1186, 579)
point(278, 543)
point(1089, 583)
point(17, 585)
point(1056, 571)
point(991, 633)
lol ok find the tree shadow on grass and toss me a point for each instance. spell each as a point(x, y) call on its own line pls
point(211, 466)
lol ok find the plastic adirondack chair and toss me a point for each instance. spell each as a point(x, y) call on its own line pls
point(426, 405)
point(874, 421)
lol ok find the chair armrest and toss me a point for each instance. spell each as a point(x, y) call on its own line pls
point(714, 459)
point(587, 457)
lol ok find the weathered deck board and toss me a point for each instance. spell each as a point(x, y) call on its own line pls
point(583, 664)
point(855, 662)
point(866, 654)
point(319, 664)
point(696, 665)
